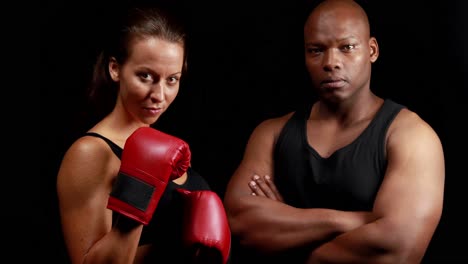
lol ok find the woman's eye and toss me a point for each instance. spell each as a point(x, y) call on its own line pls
point(145, 76)
point(173, 80)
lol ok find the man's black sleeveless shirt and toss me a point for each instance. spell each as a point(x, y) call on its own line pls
point(347, 180)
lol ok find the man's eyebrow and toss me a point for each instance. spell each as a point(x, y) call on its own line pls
point(347, 38)
point(318, 43)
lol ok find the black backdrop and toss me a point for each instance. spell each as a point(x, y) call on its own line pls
point(245, 65)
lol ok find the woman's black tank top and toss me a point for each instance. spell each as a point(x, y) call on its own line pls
point(164, 229)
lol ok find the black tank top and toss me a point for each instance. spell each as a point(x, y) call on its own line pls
point(164, 229)
point(347, 180)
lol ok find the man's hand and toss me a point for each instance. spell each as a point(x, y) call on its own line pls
point(264, 186)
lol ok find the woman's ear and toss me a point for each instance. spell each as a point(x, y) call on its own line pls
point(114, 69)
point(374, 49)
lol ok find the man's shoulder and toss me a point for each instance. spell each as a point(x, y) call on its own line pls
point(409, 123)
point(272, 126)
point(278, 120)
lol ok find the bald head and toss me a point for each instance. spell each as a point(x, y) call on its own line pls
point(338, 45)
point(339, 12)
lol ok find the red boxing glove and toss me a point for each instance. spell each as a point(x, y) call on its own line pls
point(206, 230)
point(150, 159)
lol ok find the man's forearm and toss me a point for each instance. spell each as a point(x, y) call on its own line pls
point(272, 226)
point(376, 242)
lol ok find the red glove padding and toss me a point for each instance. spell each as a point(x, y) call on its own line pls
point(206, 230)
point(150, 159)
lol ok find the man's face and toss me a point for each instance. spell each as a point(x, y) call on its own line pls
point(338, 53)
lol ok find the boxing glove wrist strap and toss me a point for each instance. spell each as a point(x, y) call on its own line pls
point(132, 191)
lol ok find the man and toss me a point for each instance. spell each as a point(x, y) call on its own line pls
point(353, 178)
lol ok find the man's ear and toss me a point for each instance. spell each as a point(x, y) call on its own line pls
point(374, 49)
point(114, 69)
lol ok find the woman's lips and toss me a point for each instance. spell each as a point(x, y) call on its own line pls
point(153, 111)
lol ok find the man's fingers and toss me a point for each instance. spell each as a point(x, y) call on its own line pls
point(272, 186)
point(264, 186)
point(261, 184)
point(255, 189)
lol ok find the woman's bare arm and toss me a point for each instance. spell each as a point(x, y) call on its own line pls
point(84, 182)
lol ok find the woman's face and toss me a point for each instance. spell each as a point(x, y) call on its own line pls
point(149, 79)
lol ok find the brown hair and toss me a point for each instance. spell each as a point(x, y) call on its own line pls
point(136, 23)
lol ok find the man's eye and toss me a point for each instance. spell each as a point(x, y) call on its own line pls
point(313, 50)
point(349, 47)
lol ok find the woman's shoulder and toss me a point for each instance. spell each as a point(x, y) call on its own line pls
point(88, 157)
point(88, 147)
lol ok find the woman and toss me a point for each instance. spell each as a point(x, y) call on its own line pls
point(139, 74)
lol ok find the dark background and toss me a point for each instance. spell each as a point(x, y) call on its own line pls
point(246, 65)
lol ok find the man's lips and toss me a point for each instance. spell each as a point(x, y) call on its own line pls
point(333, 83)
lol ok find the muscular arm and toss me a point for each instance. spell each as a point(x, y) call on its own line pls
point(83, 185)
point(270, 225)
point(408, 205)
